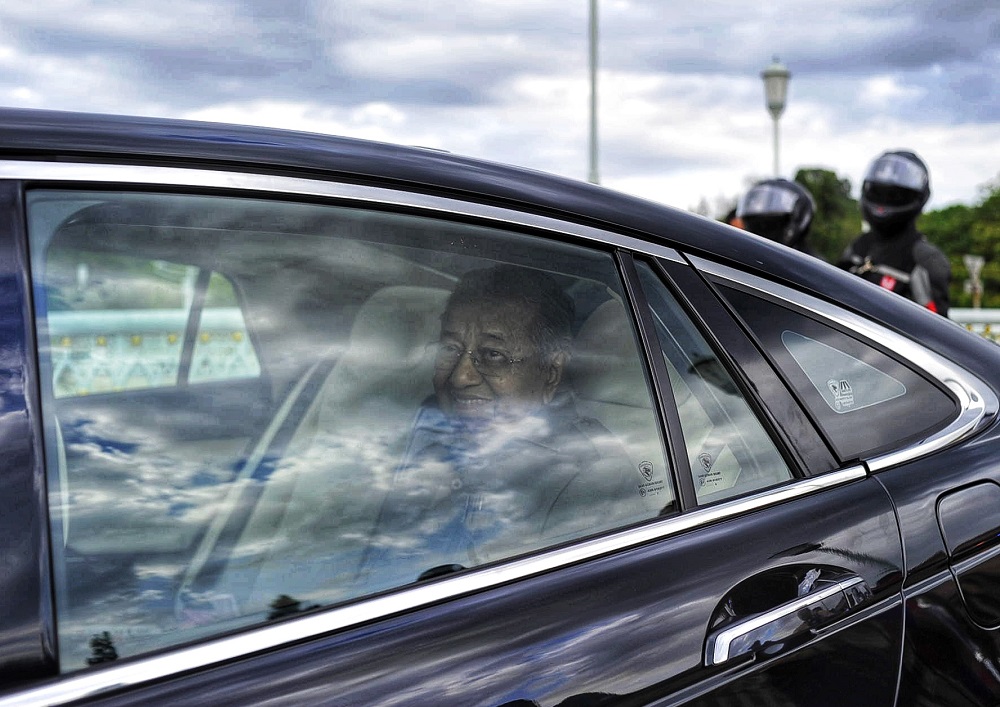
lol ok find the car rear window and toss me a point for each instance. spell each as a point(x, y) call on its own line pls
point(865, 400)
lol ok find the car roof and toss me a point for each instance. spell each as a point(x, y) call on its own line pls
point(36, 134)
point(90, 137)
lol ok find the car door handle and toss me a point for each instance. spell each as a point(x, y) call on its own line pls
point(775, 627)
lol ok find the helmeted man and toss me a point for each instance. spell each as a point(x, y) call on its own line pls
point(780, 210)
point(893, 254)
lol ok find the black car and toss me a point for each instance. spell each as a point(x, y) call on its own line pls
point(295, 419)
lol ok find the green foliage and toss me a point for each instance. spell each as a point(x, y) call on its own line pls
point(838, 219)
point(960, 230)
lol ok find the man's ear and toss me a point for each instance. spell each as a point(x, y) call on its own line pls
point(554, 374)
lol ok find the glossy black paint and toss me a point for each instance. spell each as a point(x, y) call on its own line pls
point(971, 531)
point(949, 658)
point(26, 631)
point(626, 625)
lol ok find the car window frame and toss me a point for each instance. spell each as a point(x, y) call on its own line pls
point(246, 642)
point(670, 274)
point(769, 398)
point(27, 628)
point(977, 403)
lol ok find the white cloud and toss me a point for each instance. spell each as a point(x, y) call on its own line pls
point(882, 91)
point(428, 55)
point(182, 22)
point(681, 102)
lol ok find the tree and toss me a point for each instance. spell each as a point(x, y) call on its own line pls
point(838, 219)
point(284, 606)
point(102, 649)
point(959, 230)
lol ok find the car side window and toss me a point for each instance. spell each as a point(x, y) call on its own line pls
point(342, 402)
point(729, 451)
point(864, 400)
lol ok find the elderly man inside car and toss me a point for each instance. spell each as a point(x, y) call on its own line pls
point(499, 462)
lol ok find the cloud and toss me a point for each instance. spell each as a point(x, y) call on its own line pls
point(681, 100)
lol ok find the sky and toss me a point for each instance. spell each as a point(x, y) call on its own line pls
point(681, 117)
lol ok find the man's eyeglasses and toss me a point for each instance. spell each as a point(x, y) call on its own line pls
point(489, 362)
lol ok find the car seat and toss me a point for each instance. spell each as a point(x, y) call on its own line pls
point(313, 501)
point(607, 375)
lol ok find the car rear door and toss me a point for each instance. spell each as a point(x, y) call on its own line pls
point(783, 596)
point(766, 570)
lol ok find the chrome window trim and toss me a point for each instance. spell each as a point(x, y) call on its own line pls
point(146, 176)
point(977, 402)
point(220, 650)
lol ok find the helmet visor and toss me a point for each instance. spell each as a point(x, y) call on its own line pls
point(889, 195)
point(896, 170)
point(772, 226)
point(767, 199)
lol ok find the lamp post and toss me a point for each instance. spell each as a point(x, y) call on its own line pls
point(775, 92)
point(592, 176)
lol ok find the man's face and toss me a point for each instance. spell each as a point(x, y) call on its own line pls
point(511, 381)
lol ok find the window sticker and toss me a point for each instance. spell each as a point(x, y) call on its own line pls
point(846, 383)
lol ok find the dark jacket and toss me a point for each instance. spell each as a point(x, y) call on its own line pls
point(904, 262)
point(462, 498)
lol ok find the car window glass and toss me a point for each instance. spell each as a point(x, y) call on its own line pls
point(354, 401)
point(729, 451)
point(855, 385)
point(864, 400)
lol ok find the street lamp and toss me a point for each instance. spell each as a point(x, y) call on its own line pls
point(775, 91)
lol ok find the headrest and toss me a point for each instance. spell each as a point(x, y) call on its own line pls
point(606, 365)
point(389, 360)
point(396, 325)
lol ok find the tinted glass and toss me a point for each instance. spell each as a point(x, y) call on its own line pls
point(864, 400)
point(767, 199)
point(897, 170)
point(728, 449)
point(332, 420)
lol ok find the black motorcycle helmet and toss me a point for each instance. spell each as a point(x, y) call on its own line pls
point(895, 189)
point(778, 209)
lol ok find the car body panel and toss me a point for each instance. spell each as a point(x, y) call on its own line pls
point(26, 631)
point(597, 627)
point(950, 657)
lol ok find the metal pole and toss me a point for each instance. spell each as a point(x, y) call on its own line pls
point(593, 178)
point(776, 78)
point(777, 171)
